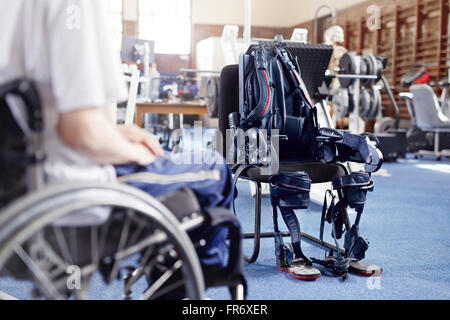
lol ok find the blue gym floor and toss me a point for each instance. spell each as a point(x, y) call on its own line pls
point(407, 221)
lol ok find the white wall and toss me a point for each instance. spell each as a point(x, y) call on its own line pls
point(271, 13)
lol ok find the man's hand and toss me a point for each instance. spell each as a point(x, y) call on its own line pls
point(90, 133)
point(134, 134)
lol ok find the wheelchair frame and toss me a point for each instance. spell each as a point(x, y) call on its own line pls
point(44, 205)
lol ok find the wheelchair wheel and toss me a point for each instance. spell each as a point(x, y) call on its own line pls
point(140, 251)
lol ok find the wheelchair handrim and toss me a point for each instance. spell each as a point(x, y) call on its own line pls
point(22, 219)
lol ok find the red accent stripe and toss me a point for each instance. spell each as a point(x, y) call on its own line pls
point(268, 87)
point(299, 83)
point(291, 186)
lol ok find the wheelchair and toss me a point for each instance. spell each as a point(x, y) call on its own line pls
point(144, 248)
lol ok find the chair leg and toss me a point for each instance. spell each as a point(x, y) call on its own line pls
point(436, 146)
point(257, 234)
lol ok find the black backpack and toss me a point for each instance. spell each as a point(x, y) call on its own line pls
point(275, 97)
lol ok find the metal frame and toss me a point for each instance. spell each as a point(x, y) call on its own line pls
point(257, 235)
point(17, 220)
point(436, 151)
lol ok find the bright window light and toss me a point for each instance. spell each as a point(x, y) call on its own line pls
point(115, 11)
point(168, 23)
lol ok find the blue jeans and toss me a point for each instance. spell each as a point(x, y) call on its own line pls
point(204, 172)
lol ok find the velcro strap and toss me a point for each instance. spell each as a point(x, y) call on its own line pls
point(357, 179)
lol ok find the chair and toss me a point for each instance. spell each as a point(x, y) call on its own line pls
point(150, 244)
point(133, 79)
point(318, 172)
point(429, 117)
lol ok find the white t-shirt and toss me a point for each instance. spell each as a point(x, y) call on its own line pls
point(64, 46)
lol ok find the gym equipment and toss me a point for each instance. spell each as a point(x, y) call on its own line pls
point(354, 187)
point(429, 117)
point(315, 59)
point(141, 52)
point(289, 109)
point(341, 102)
point(290, 191)
point(358, 74)
point(416, 138)
point(370, 72)
point(49, 248)
point(393, 141)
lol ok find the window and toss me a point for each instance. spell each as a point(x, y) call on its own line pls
point(115, 10)
point(168, 23)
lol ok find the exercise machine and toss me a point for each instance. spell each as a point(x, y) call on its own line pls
point(360, 97)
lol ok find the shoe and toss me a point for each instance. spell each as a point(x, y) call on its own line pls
point(301, 270)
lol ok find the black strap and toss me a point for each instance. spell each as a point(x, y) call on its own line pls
point(326, 211)
point(264, 105)
point(291, 221)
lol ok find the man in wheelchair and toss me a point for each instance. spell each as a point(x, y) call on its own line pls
point(64, 49)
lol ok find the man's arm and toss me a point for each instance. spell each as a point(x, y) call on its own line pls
point(90, 133)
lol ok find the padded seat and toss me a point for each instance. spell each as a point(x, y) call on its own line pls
point(318, 172)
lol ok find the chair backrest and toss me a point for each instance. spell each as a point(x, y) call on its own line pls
point(18, 150)
point(12, 142)
point(228, 99)
point(427, 109)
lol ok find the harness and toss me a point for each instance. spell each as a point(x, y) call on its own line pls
point(275, 97)
point(289, 191)
point(354, 188)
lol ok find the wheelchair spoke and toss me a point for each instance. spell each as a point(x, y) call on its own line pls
point(53, 257)
point(73, 242)
point(95, 254)
point(161, 292)
point(48, 286)
point(163, 279)
point(104, 235)
point(136, 234)
point(122, 243)
point(63, 244)
point(155, 238)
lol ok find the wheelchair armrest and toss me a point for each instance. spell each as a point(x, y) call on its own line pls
point(232, 273)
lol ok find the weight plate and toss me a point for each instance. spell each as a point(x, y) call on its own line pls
point(384, 125)
point(365, 101)
point(379, 68)
point(212, 97)
point(351, 101)
point(347, 65)
point(366, 69)
point(340, 102)
point(376, 104)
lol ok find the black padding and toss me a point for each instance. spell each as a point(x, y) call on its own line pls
point(12, 156)
point(290, 190)
point(318, 172)
point(182, 203)
point(228, 99)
